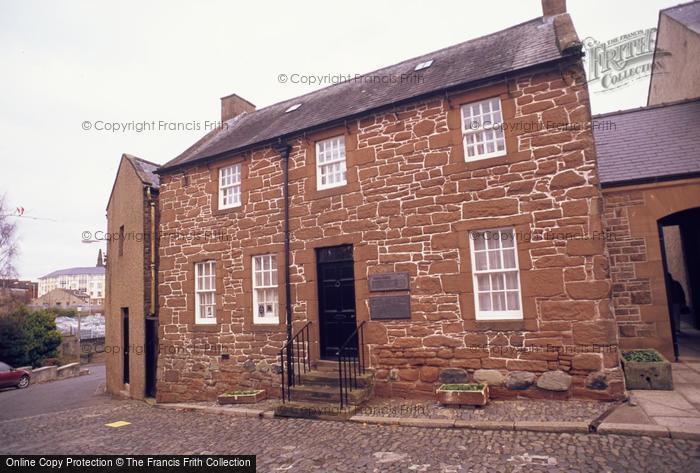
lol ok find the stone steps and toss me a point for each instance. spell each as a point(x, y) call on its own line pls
point(330, 378)
point(317, 396)
point(329, 394)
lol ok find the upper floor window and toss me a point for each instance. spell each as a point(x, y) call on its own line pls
point(121, 240)
point(330, 163)
point(230, 186)
point(205, 293)
point(482, 129)
point(265, 303)
point(496, 275)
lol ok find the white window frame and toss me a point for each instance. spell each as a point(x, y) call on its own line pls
point(484, 123)
point(230, 186)
point(324, 162)
point(204, 284)
point(266, 267)
point(502, 233)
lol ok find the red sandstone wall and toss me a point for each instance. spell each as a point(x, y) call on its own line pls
point(409, 204)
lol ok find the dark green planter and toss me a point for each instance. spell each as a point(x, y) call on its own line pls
point(647, 374)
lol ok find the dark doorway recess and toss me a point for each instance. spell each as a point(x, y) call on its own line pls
point(336, 299)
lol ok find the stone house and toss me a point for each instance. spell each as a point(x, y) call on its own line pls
point(63, 298)
point(649, 161)
point(131, 316)
point(451, 212)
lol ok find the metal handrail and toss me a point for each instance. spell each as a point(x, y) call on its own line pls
point(302, 362)
point(349, 367)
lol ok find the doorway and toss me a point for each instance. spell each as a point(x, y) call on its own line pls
point(125, 345)
point(151, 355)
point(336, 300)
point(680, 238)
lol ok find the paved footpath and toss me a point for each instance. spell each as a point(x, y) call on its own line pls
point(295, 445)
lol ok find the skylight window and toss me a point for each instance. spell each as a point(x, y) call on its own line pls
point(423, 65)
point(293, 107)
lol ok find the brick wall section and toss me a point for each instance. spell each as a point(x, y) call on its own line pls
point(409, 204)
point(629, 291)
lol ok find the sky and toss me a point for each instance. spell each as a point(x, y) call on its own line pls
point(66, 63)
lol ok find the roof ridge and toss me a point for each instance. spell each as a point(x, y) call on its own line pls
point(293, 99)
point(647, 107)
point(134, 157)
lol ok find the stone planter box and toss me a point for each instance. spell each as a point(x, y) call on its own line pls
point(248, 397)
point(452, 397)
point(647, 374)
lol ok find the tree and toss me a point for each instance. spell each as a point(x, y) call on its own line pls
point(8, 242)
point(28, 338)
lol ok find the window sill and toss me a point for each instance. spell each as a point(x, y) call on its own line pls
point(203, 327)
point(266, 327)
point(218, 211)
point(501, 324)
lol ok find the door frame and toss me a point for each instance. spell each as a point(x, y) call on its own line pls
point(151, 356)
point(345, 254)
point(126, 341)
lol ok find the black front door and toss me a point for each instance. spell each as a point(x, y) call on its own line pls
point(336, 300)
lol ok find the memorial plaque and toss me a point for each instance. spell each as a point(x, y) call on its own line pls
point(390, 307)
point(388, 282)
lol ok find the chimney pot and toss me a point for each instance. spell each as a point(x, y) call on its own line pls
point(233, 105)
point(553, 7)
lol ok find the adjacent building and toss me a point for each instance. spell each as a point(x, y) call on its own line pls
point(131, 309)
point(676, 69)
point(448, 206)
point(649, 162)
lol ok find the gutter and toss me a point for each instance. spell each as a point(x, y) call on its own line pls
point(152, 262)
point(649, 180)
point(284, 149)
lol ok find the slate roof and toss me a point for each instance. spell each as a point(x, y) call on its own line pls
point(687, 14)
point(649, 143)
point(75, 271)
point(528, 44)
point(146, 170)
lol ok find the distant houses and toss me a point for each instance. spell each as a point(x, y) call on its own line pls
point(86, 280)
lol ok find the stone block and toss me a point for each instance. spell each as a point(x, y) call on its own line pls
point(490, 377)
point(453, 376)
point(520, 380)
point(554, 381)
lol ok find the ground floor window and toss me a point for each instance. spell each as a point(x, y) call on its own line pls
point(265, 294)
point(205, 293)
point(496, 275)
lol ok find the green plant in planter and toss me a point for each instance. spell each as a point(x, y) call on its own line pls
point(244, 392)
point(242, 396)
point(462, 387)
point(646, 369)
point(642, 356)
point(473, 394)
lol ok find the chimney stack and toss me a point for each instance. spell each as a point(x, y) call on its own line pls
point(233, 105)
point(553, 7)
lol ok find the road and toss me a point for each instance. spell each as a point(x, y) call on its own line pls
point(67, 417)
point(54, 396)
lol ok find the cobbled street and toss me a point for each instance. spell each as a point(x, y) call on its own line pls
point(293, 445)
